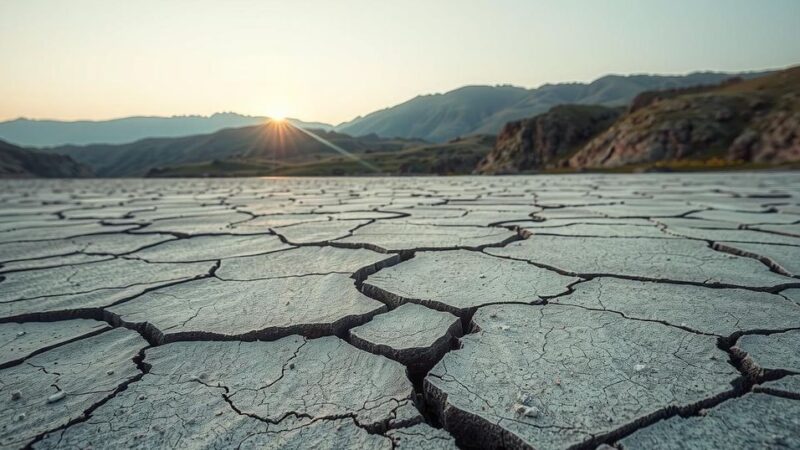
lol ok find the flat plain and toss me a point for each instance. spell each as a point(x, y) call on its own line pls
point(534, 312)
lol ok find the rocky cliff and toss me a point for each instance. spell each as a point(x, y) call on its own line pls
point(755, 120)
point(545, 141)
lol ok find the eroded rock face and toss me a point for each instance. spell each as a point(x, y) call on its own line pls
point(558, 376)
point(543, 141)
point(55, 387)
point(754, 120)
point(414, 335)
point(313, 306)
point(752, 421)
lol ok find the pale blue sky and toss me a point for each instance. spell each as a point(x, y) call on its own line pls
point(332, 60)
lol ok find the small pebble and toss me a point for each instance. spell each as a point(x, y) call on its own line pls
point(109, 372)
point(20, 417)
point(639, 367)
point(218, 413)
point(504, 327)
point(527, 411)
point(483, 276)
point(21, 333)
point(16, 395)
point(56, 397)
point(291, 366)
point(142, 397)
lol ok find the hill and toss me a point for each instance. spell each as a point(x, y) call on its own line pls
point(272, 143)
point(739, 123)
point(749, 121)
point(16, 162)
point(458, 157)
point(49, 133)
point(547, 140)
point(486, 109)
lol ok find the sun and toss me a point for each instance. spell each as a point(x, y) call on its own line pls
point(277, 117)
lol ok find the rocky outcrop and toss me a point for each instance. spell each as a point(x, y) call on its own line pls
point(544, 141)
point(754, 121)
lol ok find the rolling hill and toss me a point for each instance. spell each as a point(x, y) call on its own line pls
point(458, 157)
point(49, 133)
point(739, 123)
point(272, 143)
point(16, 162)
point(486, 109)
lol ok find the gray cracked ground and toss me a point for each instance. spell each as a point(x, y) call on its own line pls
point(314, 305)
point(753, 421)
point(411, 334)
point(51, 389)
point(583, 374)
point(460, 280)
point(645, 258)
point(637, 311)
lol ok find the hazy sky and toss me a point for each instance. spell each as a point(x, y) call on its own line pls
point(332, 60)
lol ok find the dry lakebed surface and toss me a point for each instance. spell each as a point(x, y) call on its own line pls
point(647, 311)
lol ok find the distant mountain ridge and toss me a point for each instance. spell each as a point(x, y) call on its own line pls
point(486, 109)
point(50, 133)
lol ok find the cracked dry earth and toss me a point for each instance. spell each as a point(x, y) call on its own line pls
point(549, 312)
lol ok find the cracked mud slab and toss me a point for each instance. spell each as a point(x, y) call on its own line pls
point(722, 312)
point(414, 335)
point(654, 259)
point(211, 248)
point(311, 232)
point(51, 389)
point(557, 376)
point(460, 280)
point(291, 393)
point(47, 252)
point(784, 259)
point(315, 305)
point(302, 261)
point(394, 237)
point(752, 421)
point(22, 340)
point(770, 353)
point(93, 285)
point(421, 436)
